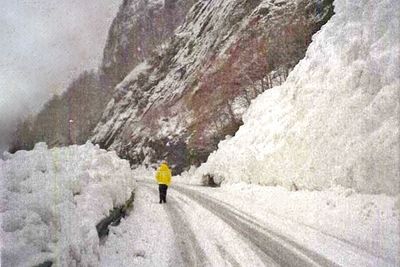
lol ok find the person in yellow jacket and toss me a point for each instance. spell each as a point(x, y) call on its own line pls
point(163, 177)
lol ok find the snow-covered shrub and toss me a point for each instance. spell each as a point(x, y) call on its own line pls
point(335, 121)
point(51, 201)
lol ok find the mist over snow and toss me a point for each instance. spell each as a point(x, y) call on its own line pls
point(44, 45)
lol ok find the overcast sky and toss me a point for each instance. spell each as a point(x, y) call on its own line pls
point(44, 44)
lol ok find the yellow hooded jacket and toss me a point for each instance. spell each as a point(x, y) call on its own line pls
point(163, 174)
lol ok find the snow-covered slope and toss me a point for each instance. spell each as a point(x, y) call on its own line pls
point(195, 88)
point(51, 201)
point(336, 119)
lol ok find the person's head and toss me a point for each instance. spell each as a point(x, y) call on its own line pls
point(164, 162)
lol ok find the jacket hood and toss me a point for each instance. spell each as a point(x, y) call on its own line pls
point(164, 167)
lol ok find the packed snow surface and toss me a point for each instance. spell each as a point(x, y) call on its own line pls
point(51, 201)
point(343, 226)
point(336, 119)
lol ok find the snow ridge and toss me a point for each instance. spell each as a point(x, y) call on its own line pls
point(336, 119)
point(51, 201)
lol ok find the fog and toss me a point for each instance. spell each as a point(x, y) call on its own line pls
point(44, 44)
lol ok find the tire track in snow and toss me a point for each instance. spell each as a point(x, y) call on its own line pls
point(281, 249)
point(226, 255)
point(190, 251)
point(220, 247)
point(389, 261)
point(223, 252)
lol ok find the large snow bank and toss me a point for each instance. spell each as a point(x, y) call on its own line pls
point(53, 199)
point(336, 119)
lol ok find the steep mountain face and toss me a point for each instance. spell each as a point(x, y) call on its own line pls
point(193, 91)
point(139, 27)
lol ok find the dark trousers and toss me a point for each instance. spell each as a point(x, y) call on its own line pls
point(162, 188)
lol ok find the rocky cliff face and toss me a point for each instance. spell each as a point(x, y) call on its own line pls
point(139, 27)
point(193, 91)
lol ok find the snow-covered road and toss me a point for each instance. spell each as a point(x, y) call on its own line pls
point(270, 247)
point(179, 233)
point(234, 225)
point(196, 228)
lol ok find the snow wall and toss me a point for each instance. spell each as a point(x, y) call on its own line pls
point(51, 201)
point(336, 119)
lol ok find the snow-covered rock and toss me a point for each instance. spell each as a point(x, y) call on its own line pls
point(336, 119)
point(197, 86)
point(139, 27)
point(51, 201)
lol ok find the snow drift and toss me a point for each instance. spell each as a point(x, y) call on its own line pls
point(53, 199)
point(336, 119)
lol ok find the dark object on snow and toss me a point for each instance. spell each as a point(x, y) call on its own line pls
point(45, 264)
point(181, 71)
point(115, 217)
point(140, 253)
point(208, 180)
point(162, 188)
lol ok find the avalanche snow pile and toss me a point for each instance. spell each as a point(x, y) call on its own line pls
point(335, 121)
point(51, 201)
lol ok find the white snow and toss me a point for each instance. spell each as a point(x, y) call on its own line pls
point(335, 121)
point(349, 228)
point(346, 227)
point(133, 75)
point(144, 238)
point(332, 126)
point(51, 201)
point(154, 235)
